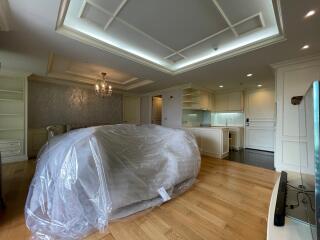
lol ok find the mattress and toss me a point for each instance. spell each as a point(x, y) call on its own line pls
point(88, 177)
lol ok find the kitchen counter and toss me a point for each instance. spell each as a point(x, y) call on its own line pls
point(213, 126)
point(212, 141)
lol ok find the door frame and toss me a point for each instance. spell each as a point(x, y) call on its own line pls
point(259, 124)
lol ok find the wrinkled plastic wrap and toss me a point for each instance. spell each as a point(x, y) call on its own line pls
point(88, 177)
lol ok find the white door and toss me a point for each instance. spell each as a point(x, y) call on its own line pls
point(131, 109)
point(260, 119)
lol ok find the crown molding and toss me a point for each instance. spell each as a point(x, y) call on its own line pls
point(300, 60)
point(59, 81)
point(88, 81)
point(72, 75)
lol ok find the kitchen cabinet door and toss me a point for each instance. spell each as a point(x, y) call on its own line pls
point(197, 135)
point(220, 103)
point(235, 101)
point(228, 102)
point(204, 100)
point(209, 141)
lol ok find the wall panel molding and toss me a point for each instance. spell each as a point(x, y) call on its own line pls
point(293, 136)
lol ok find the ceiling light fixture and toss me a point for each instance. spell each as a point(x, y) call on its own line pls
point(249, 75)
point(102, 88)
point(310, 13)
point(305, 47)
point(221, 86)
point(259, 85)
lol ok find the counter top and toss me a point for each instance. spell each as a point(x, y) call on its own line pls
point(214, 127)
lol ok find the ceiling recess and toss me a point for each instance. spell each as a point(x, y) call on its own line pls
point(172, 37)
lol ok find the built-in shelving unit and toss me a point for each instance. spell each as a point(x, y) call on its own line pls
point(13, 116)
point(196, 99)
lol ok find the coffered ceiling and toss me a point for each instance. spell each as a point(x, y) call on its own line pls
point(184, 34)
point(35, 28)
point(63, 68)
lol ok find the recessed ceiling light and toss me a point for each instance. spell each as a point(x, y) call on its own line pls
point(249, 75)
point(305, 47)
point(259, 85)
point(221, 86)
point(310, 13)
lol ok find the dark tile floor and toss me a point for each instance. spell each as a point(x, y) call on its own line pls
point(253, 157)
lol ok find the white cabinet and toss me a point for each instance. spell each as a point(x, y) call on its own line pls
point(13, 116)
point(235, 101)
point(212, 142)
point(197, 99)
point(236, 141)
point(220, 103)
point(197, 134)
point(227, 102)
point(10, 148)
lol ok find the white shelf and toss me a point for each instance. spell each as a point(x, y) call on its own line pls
point(12, 114)
point(11, 100)
point(190, 101)
point(11, 129)
point(11, 91)
point(191, 95)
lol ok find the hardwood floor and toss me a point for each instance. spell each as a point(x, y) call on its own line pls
point(229, 201)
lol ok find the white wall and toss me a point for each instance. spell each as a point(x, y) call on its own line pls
point(171, 107)
point(131, 109)
point(293, 78)
point(145, 109)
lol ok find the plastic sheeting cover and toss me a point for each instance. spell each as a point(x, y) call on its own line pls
point(87, 177)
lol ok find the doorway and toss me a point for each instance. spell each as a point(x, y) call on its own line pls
point(156, 110)
point(260, 119)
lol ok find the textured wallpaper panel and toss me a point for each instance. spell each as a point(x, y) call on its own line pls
point(51, 103)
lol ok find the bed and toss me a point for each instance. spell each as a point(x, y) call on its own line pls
point(89, 177)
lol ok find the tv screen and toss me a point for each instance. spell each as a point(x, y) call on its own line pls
point(307, 192)
point(316, 112)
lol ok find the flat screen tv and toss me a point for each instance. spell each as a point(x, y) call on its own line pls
point(316, 105)
point(308, 189)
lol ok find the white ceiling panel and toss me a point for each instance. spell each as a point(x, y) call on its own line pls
point(95, 15)
point(175, 58)
point(130, 38)
point(252, 24)
point(213, 45)
point(109, 5)
point(177, 23)
point(237, 10)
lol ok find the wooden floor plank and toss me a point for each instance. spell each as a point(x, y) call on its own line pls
point(229, 201)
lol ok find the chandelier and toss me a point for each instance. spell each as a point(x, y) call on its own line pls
point(102, 88)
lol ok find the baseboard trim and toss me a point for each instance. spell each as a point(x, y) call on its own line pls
point(215, 155)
